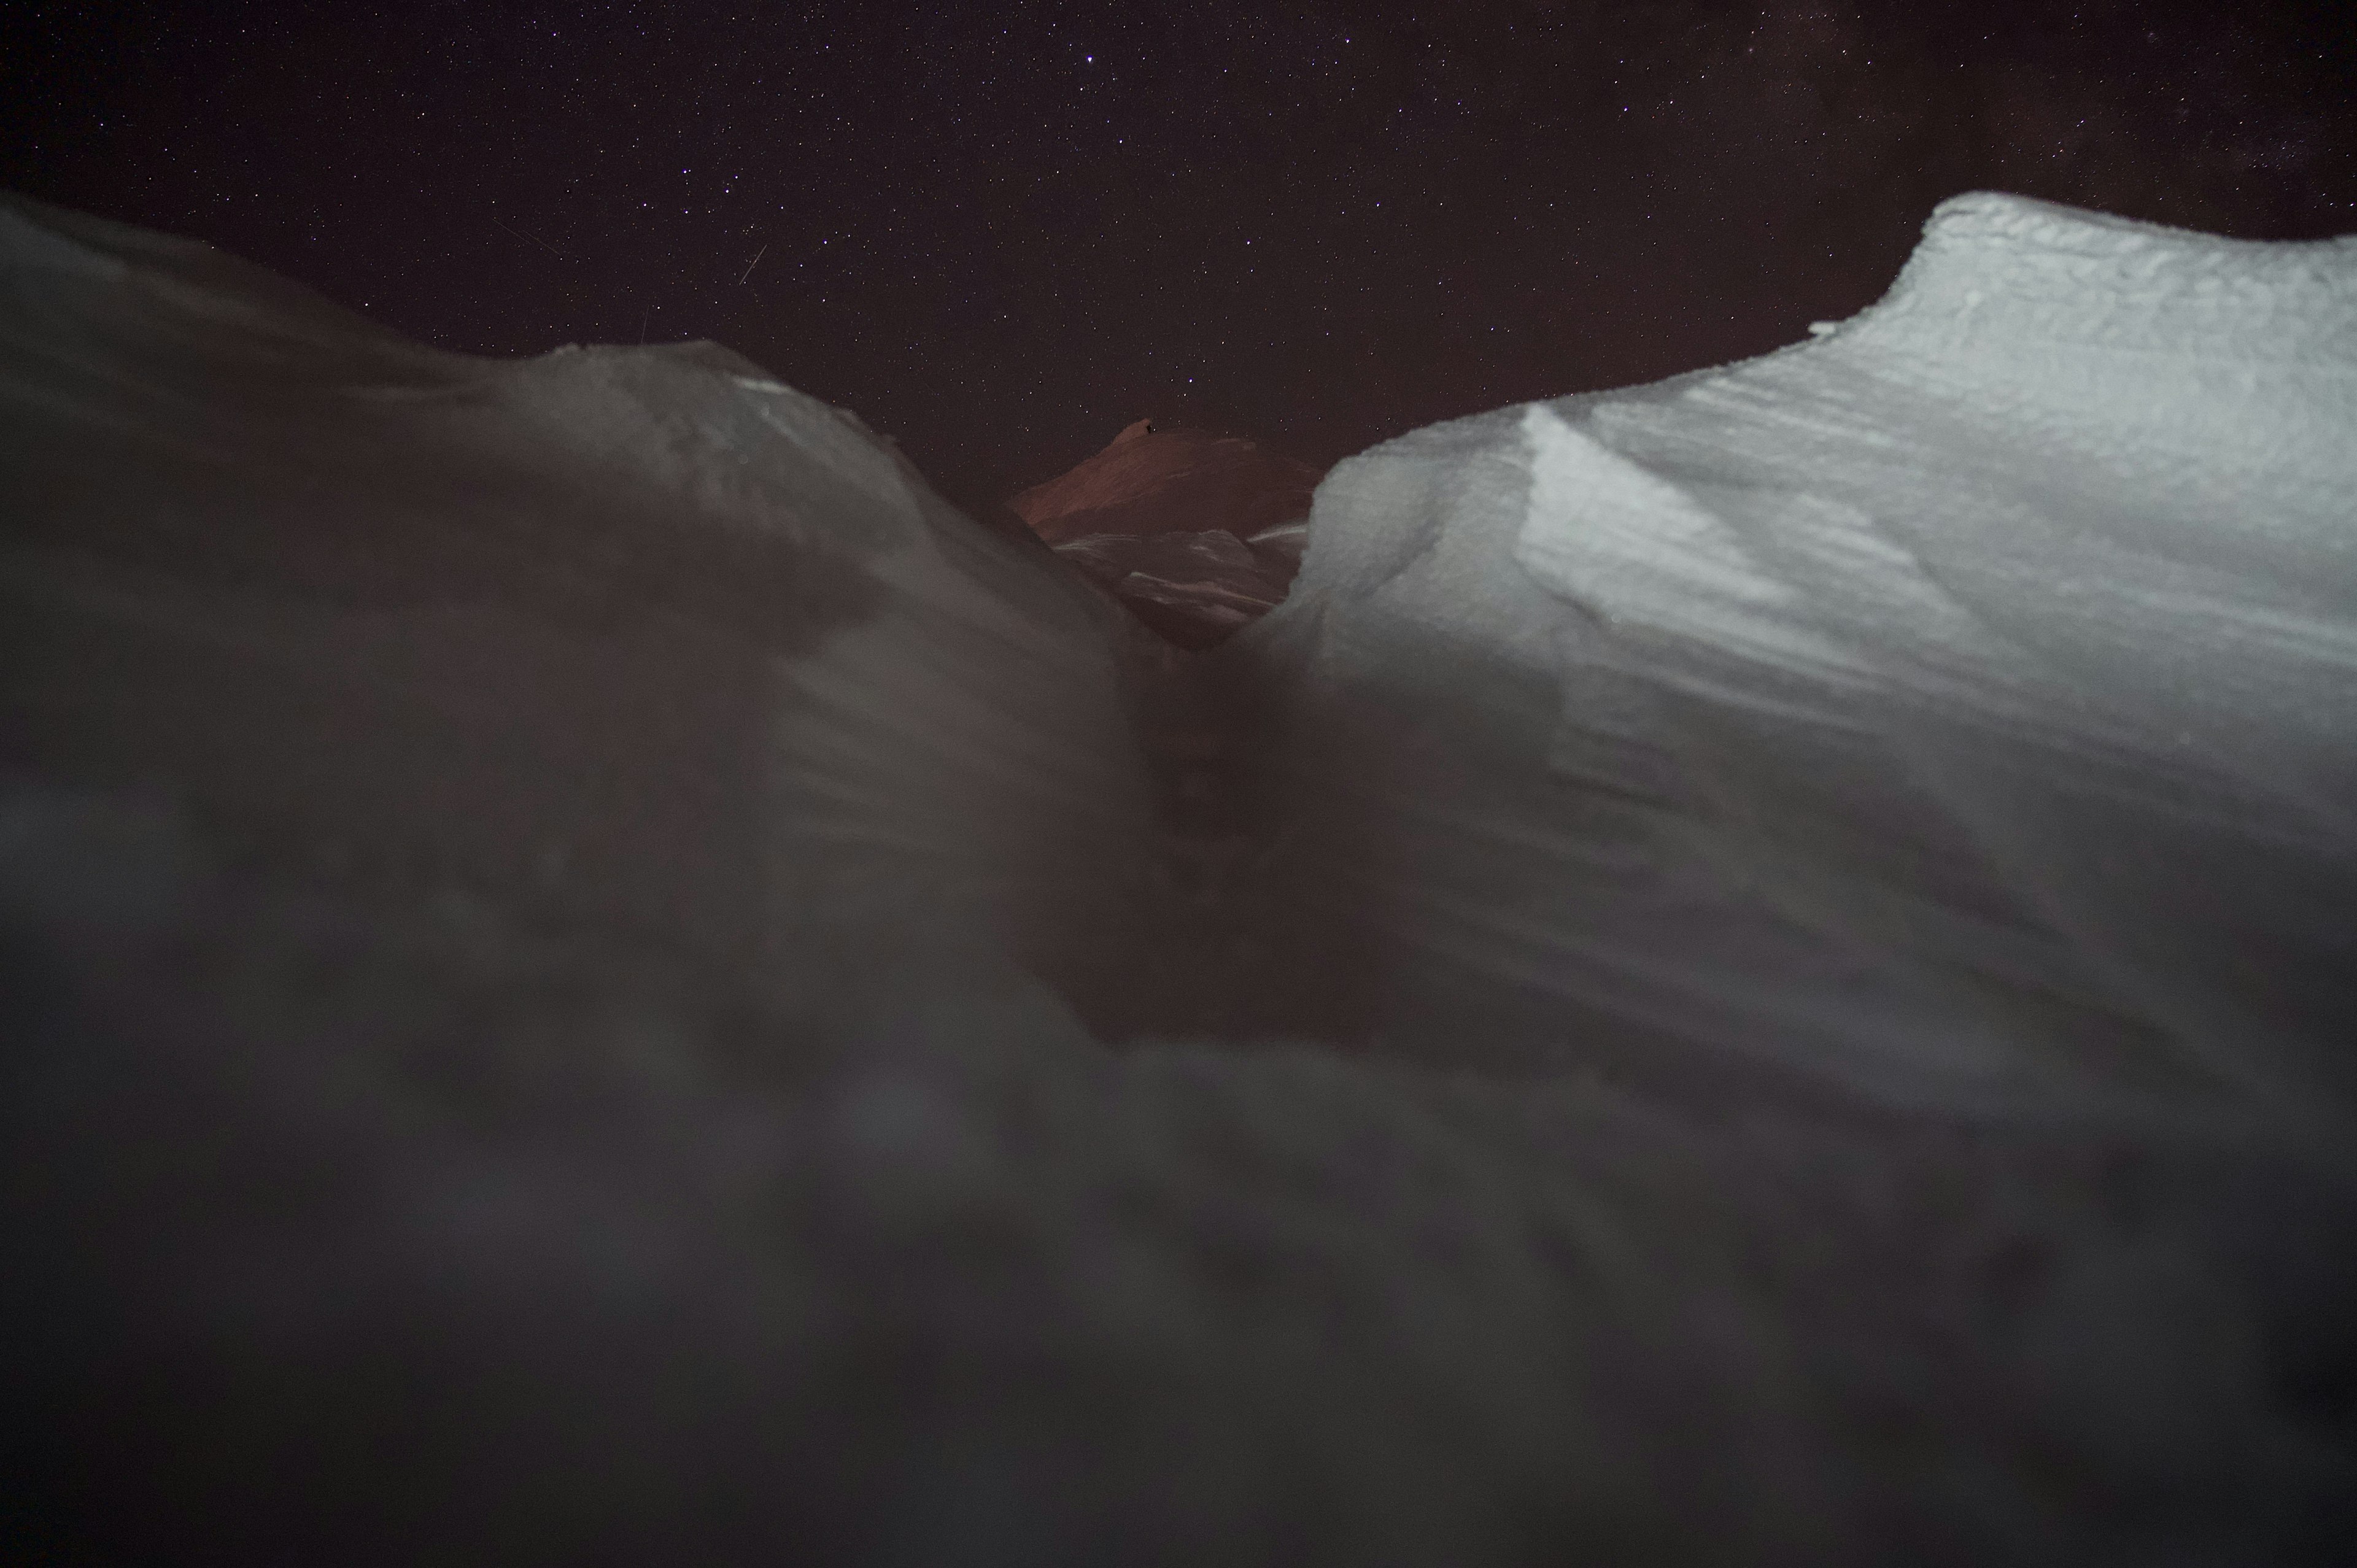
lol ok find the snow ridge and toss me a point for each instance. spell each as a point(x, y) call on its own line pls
point(1995, 645)
point(1754, 970)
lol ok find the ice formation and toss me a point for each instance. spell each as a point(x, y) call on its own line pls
point(1753, 969)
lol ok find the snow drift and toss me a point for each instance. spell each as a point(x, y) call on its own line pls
point(1961, 703)
point(1756, 969)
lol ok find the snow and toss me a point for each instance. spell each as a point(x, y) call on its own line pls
point(1755, 967)
point(1205, 584)
point(1996, 645)
point(1287, 540)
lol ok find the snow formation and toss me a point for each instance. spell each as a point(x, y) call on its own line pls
point(1755, 969)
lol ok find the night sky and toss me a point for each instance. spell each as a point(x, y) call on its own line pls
point(1000, 234)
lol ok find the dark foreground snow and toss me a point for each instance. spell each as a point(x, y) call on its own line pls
point(1750, 970)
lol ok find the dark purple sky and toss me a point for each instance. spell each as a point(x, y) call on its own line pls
point(1001, 233)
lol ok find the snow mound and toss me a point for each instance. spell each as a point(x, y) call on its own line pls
point(1165, 480)
point(1960, 704)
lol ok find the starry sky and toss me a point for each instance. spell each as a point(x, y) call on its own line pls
point(1002, 232)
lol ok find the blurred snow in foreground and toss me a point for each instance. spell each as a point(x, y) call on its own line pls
point(1754, 969)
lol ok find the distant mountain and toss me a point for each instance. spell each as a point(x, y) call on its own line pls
point(1197, 534)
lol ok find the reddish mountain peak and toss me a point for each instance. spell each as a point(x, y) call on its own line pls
point(1151, 480)
point(1177, 523)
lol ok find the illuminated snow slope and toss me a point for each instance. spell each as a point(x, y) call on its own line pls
point(1752, 970)
point(1963, 703)
point(640, 637)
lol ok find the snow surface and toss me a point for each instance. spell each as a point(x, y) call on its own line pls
point(1157, 480)
point(1755, 969)
point(1196, 533)
point(1960, 704)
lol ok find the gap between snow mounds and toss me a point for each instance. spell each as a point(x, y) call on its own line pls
point(1196, 533)
point(639, 638)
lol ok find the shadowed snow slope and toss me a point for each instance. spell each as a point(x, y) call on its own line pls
point(1193, 588)
point(1753, 969)
point(1963, 703)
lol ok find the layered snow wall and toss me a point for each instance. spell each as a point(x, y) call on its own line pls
point(591, 972)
